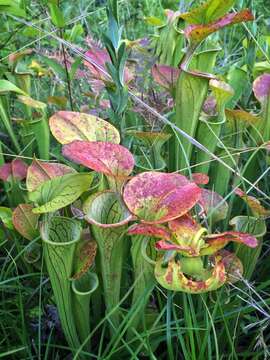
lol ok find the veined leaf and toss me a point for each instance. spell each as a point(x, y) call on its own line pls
point(59, 192)
point(25, 221)
point(68, 126)
point(107, 158)
point(40, 171)
point(156, 197)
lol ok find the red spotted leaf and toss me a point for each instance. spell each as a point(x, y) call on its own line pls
point(200, 178)
point(197, 33)
point(16, 169)
point(157, 197)
point(25, 221)
point(84, 258)
point(233, 265)
point(39, 172)
point(68, 126)
point(216, 242)
point(107, 158)
point(149, 230)
point(172, 278)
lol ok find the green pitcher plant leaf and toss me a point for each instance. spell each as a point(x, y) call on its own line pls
point(59, 192)
point(156, 197)
point(207, 12)
point(100, 208)
point(68, 126)
point(60, 236)
point(25, 221)
point(82, 289)
point(40, 171)
point(16, 169)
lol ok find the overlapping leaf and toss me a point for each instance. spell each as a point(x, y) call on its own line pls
point(156, 197)
point(107, 158)
point(16, 169)
point(41, 171)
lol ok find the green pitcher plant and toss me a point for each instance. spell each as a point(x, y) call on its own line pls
point(165, 215)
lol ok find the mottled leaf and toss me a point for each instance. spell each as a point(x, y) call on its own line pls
point(106, 209)
point(241, 116)
point(216, 242)
point(197, 33)
point(200, 178)
point(107, 158)
point(233, 265)
point(172, 278)
point(25, 221)
point(149, 230)
point(68, 126)
point(156, 197)
point(59, 192)
point(16, 169)
point(41, 171)
point(84, 257)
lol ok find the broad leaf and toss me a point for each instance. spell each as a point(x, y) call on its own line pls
point(107, 158)
point(68, 126)
point(156, 197)
point(25, 221)
point(16, 169)
point(59, 192)
point(41, 171)
point(209, 11)
point(151, 230)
